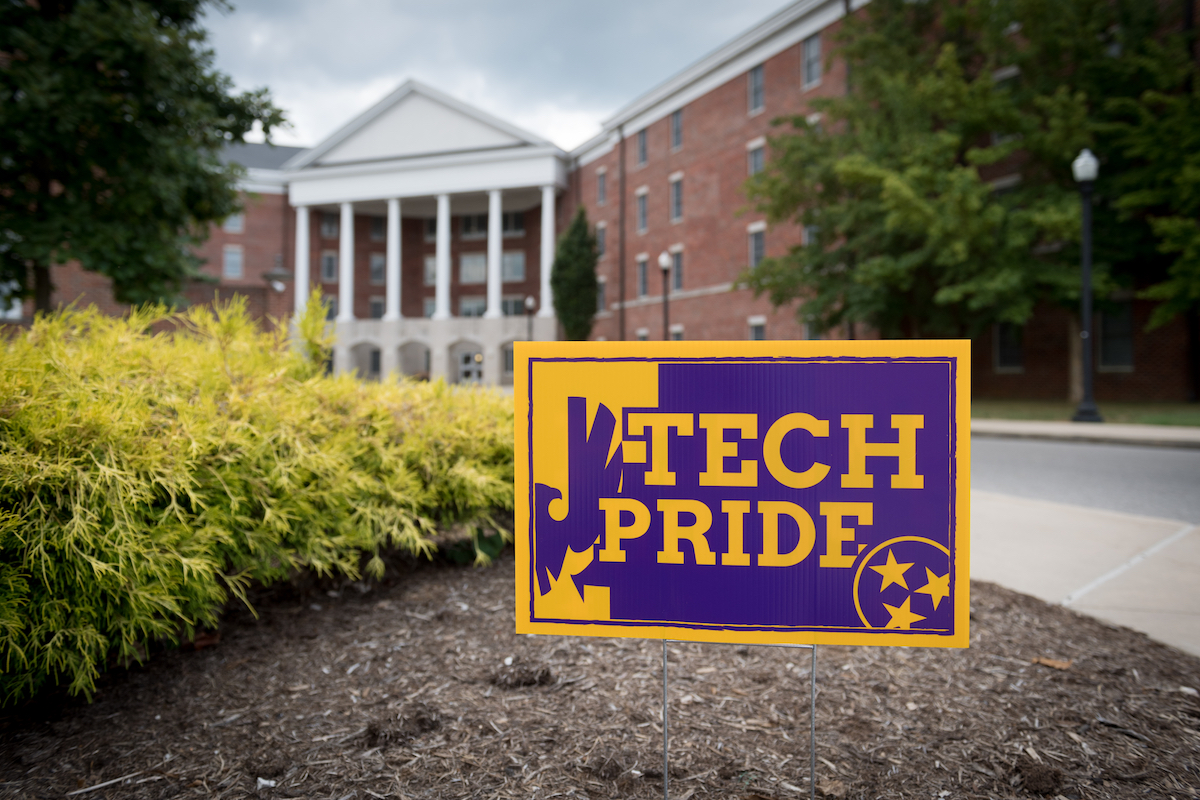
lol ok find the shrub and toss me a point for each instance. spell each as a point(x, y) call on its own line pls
point(154, 465)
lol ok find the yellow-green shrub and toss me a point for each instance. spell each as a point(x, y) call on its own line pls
point(146, 476)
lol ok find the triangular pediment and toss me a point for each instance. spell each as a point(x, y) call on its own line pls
point(414, 121)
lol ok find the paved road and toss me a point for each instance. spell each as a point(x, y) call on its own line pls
point(1151, 481)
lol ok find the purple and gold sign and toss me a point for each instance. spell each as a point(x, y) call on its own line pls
point(782, 492)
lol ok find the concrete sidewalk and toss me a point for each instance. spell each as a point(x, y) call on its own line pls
point(1140, 572)
point(1107, 432)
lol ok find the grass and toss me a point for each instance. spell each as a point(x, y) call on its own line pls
point(1140, 413)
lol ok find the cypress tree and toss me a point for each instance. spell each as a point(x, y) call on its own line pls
point(573, 278)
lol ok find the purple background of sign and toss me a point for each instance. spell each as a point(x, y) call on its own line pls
point(803, 596)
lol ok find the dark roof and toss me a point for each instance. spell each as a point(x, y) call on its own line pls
point(259, 156)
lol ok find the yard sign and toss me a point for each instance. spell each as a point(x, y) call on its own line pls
point(771, 492)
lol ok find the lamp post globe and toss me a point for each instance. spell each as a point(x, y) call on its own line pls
point(1085, 168)
point(664, 265)
point(530, 307)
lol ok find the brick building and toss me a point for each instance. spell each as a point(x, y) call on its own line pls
point(430, 224)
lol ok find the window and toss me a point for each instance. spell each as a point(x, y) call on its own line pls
point(331, 306)
point(234, 223)
point(509, 361)
point(641, 147)
point(677, 270)
point(643, 334)
point(430, 308)
point(754, 160)
point(431, 229)
point(1010, 347)
point(676, 333)
point(472, 268)
point(641, 212)
point(758, 247)
point(756, 89)
point(472, 306)
point(378, 229)
point(376, 359)
point(231, 264)
point(378, 269)
point(601, 187)
point(512, 266)
point(758, 331)
point(601, 240)
point(1116, 338)
point(474, 226)
point(431, 270)
point(601, 296)
point(329, 266)
point(812, 60)
point(512, 305)
point(512, 223)
point(677, 129)
point(643, 277)
point(809, 234)
point(677, 199)
point(376, 306)
point(11, 307)
point(329, 226)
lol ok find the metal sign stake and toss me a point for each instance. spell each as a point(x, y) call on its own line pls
point(666, 773)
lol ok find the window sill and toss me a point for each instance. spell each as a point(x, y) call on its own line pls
point(1125, 370)
point(808, 87)
point(755, 112)
point(1008, 370)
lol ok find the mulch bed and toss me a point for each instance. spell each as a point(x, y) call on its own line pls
point(418, 687)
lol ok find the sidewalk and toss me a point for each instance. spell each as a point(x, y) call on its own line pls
point(1140, 572)
point(1153, 435)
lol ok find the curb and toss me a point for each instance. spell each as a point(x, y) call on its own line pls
point(1096, 433)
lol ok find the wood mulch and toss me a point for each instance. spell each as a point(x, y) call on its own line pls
point(418, 688)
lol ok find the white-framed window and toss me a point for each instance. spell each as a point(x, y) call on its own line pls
point(431, 229)
point(512, 266)
point(331, 310)
point(378, 229)
point(643, 276)
point(757, 328)
point(755, 89)
point(430, 271)
point(472, 268)
point(11, 307)
point(329, 266)
point(1008, 354)
point(643, 334)
point(375, 363)
point(676, 199)
point(677, 129)
point(512, 305)
point(677, 270)
point(601, 295)
point(642, 212)
point(233, 262)
point(473, 226)
point(512, 223)
point(234, 223)
point(812, 60)
point(601, 186)
point(376, 306)
point(809, 234)
point(509, 359)
point(330, 225)
point(378, 269)
point(676, 332)
point(758, 246)
point(756, 159)
point(430, 306)
point(472, 305)
point(601, 239)
point(642, 152)
point(1114, 329)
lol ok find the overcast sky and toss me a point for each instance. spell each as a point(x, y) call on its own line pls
point(554, 67)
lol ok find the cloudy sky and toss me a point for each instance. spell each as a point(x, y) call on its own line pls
point(554, 67)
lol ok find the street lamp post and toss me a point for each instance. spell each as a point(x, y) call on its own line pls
point(664, 264)
point(1085, 167)
point(530, 306)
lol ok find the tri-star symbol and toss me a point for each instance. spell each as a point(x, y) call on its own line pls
point(892, 572)
point(937, 587)
point(902, 616)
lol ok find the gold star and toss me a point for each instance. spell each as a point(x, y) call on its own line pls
point(937, 587)
point(902, 617)
point(892, 572)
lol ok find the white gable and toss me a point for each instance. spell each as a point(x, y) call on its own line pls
point(417, 125)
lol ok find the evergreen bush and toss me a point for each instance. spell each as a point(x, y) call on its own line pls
point(152, 466)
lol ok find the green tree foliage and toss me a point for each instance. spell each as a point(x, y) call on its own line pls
point(146, 477)
point(111, 121)
point(573, 278)
point(897, 178)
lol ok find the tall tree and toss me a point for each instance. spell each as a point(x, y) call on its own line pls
point(111, 121)
point(573, 278)
point(938, 190)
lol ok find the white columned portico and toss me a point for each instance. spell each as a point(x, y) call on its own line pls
point(547, 303)
point(301, 281)
point(495, 252)
point(346, 265)
point(441, 308)
point(392, 310)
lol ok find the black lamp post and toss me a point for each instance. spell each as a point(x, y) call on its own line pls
point(1085, 167)
point(530, 305)
point(664, 264)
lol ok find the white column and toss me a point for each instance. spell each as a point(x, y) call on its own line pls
point(302, 248)
point(346, 265)
point(442, 309)
point(392, 312)
point(495, 252)
point(547, 301)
